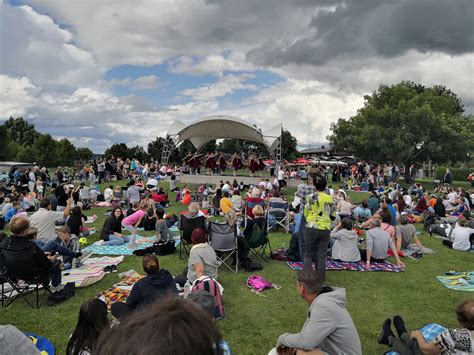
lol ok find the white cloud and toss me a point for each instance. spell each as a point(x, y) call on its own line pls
point(212, 64)
point(224, 86)
point(16, 95)
point(145, 82)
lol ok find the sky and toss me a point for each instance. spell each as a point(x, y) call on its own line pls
point(112, 71)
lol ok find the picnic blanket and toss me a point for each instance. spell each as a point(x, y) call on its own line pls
point(120, 291)
point(119, 249)
point(91, 272)
point(459, 281)
point(429, 331)
point(358, 266)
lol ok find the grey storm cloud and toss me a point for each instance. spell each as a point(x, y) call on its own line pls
point(367, 28)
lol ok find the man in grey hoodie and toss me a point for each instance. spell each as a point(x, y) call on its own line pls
point(329, 327)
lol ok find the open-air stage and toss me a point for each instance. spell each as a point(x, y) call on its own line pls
point(215, 179)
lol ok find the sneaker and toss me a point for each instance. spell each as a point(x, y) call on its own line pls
point(399, 325)
point(385, 333)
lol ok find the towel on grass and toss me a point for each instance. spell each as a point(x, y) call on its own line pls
point(91, 272)
point(120, 291)
point(357, 266)
point(459, 281)
point(119, 249)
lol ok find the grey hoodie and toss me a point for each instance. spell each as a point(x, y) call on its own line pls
point(329, 326)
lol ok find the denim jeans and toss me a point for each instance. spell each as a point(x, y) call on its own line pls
point(52, 245)
point(114, 240)
point(132, 230)
point(316, 249)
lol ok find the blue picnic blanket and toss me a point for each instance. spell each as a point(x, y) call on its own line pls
point(429, 331)
point(459, 281)
point(120, 249)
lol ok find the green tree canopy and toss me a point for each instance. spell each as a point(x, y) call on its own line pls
point(289, 146)
point(407, 123)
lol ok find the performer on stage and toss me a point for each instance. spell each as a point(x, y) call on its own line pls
point(195, 163)
point(253, 164)
point(222, 163)
point(236, 163)
point(210, 163)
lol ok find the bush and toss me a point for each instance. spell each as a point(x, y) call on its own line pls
point(459, 174)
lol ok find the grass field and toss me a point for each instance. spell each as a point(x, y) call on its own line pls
point(252, 324)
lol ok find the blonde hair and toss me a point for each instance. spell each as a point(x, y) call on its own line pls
point(230, 217)
point(193, 208)
point(257, 211)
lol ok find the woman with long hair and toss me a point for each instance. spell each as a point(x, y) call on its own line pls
point(111, 233)
point(90, 324)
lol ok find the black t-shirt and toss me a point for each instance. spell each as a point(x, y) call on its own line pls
point(74, 222)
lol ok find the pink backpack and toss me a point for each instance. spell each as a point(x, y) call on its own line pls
point(258, 284)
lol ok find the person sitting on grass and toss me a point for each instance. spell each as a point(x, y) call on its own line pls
point(329, 327)
point(91, 322)
point(171, 326)
point(451, 341)
point(157, 284)
point(225, 203)
point(111, 233)
point(70, 242)
point(405, 234)
point(461, 237)
point(378, 241)
point(12, 211)
point(345, 242)
point(162, 231)
point(202, 260)
point(362, 212)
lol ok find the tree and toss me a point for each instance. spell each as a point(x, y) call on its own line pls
point(118, 150)
point(407, 123)
point(139, 153)
point(84, 154)
point(289, 146)
point(230, 146)
point(6, 144)
point(20, 131)
point(66, 152)
point(45, 151)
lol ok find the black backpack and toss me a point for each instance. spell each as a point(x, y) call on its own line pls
point(293, 252)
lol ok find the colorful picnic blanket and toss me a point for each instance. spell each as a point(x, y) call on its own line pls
point(429, 331)
point(459, 281)
point(120, 249)
point(358, 266)
point(91, 272)
point(119, 292)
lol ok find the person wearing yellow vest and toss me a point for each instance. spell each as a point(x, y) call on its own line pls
point(319, 211)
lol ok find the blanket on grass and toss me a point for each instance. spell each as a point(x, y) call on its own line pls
point(120, 291)
point(91, 272)
point(459, 281)
point(358, 266)
point(123, 249)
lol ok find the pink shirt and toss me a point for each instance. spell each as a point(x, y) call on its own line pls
point(133, 218)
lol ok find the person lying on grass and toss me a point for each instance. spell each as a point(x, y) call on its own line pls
point(329, 327)
point(451, 341)
point(378, 241)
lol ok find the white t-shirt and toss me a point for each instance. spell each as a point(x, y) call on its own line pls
point(408, 200)
point(269, 186)
point(44, 220)
point(281, 175)
point(452, 196)
point(460, 237)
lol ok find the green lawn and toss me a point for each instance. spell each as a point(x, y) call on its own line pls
point(252, 324)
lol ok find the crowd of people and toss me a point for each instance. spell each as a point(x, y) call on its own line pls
point(46, 225)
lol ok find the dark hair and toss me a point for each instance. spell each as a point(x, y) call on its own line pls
point(236, 192)
point(45, 203)
point(386, 216)
point(218, 192)
point(198, 236)
point(113, 214)
point(90, 324)
point(226, 193)
point(150, 212)
point(465, 314)
point(19, 225)
point(311, 281)
point(365, 204)
point(77, 210)
point(403, 219)
point(347, 223)
point(388, 200)
point(150, 264)
point(160, 213)
point(319, 182)
point(132, 182)
point(170, 326)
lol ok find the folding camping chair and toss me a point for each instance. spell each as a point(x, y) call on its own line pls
point(21, 288)
point(258, 241)
point(223, 239)
point(280, 213)
point(186, 228)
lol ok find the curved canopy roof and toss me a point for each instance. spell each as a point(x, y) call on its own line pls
point(217, 127)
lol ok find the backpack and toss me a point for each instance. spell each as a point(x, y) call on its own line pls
point(258, 284)
point(210, 285)
point(293, 252)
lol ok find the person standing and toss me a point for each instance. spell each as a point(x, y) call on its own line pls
point(319, 211)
